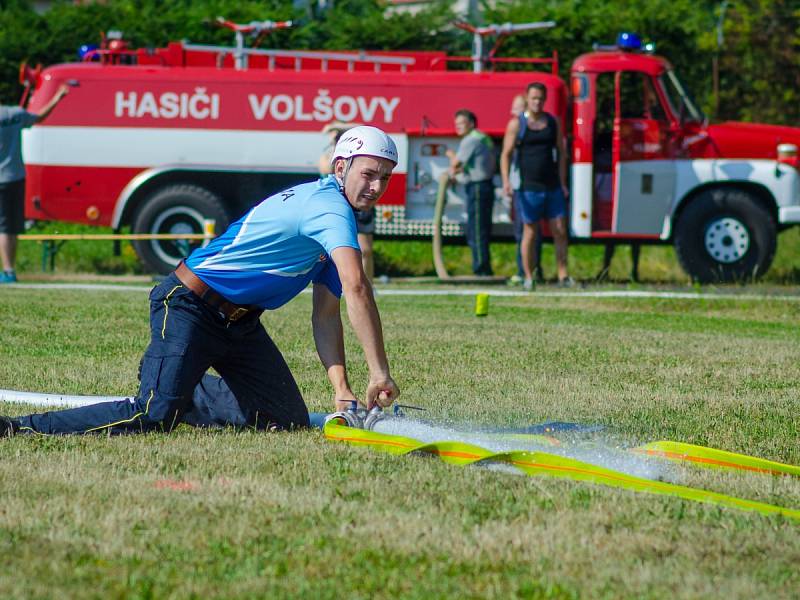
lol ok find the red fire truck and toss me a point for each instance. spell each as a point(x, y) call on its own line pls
point(162, 139)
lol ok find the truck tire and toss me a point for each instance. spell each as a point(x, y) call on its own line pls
point(725, 236)
point(178, 208)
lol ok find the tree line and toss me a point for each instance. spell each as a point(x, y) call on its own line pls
point(739, 58)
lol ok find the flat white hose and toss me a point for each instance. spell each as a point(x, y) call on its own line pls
point(38, 399)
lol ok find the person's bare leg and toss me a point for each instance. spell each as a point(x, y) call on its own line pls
point(526, 248)
point(559, 228)
point(8, 251)
point(367, 260)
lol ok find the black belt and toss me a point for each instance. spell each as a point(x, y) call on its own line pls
point(231, 311)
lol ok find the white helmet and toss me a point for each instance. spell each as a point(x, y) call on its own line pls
point(365, 141)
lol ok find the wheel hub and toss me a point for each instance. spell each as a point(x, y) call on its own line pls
point(176, 220)
point(727, 240)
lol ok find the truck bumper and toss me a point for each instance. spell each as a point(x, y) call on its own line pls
point(789, 215)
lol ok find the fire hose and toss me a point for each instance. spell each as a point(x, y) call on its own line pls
point(553, 465)
point(356, 426)
point(438, 212)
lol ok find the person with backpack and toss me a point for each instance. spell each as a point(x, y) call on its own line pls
point(473, 164)
point(537, 138)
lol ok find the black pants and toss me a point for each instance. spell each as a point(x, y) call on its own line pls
point(12, 207)
point(188, 337)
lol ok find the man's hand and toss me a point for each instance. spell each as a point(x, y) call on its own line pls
point(455, 166)
point(381, 393)
point(507, 190)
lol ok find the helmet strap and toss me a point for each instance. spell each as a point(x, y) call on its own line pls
point(343, 178)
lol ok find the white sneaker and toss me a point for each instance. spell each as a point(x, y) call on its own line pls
point(528, 285)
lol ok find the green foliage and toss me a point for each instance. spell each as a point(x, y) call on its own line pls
point(759, 75)
point(760, 67)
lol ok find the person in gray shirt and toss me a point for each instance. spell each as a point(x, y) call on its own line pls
point(13, 119)
point(473, 164)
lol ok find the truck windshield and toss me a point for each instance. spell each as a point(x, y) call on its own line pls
point(682, 105)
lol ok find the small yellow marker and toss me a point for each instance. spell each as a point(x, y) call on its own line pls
point(481, 305)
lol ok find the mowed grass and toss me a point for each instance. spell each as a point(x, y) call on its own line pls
point(246, 515)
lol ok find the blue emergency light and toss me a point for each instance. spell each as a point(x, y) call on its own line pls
point(629, 41)
point(86, 49)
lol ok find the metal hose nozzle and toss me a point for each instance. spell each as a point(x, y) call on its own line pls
point(373, 417)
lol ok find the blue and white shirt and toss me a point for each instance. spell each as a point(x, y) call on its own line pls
point(271, 254)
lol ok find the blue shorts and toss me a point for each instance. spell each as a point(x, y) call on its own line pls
point(547, 204)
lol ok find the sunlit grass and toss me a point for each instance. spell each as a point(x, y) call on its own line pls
point(221, 514)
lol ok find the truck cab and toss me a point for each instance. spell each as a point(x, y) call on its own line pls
point(647, 166)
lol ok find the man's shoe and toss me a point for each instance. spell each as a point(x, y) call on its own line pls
point(7, 427)
point(528, 285)
point(514, 280)
point(8, 277)
point(567, 282)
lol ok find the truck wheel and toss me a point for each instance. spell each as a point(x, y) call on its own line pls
point(725, 236)
point(179, 208)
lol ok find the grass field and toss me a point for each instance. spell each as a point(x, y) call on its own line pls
point(245, 515)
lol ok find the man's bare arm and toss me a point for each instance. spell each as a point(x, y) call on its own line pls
point(509, 141)
point(562, 158)
point(326, 321)
point(366, 322)
point(48, 108)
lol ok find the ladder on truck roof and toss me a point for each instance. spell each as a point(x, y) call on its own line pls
point(351, 59)
point(259, 29)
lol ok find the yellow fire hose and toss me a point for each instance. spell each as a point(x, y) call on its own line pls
point(542, 463)
point(715, 459)
point(438, 212)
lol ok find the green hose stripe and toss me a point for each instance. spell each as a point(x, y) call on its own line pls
point(715, 459)
point(542, 463)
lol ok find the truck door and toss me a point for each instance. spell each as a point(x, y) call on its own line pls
point(643, 157)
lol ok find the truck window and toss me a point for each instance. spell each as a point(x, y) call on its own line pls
point(681, 104)
point(639, 99)
point(604, 121)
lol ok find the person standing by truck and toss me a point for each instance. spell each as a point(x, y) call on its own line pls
point(518, 105)
point(539, 143)
point(13, 119)
point(207, 312)
point(473, 164)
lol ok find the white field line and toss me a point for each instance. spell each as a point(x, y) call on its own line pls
point(104, 287)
